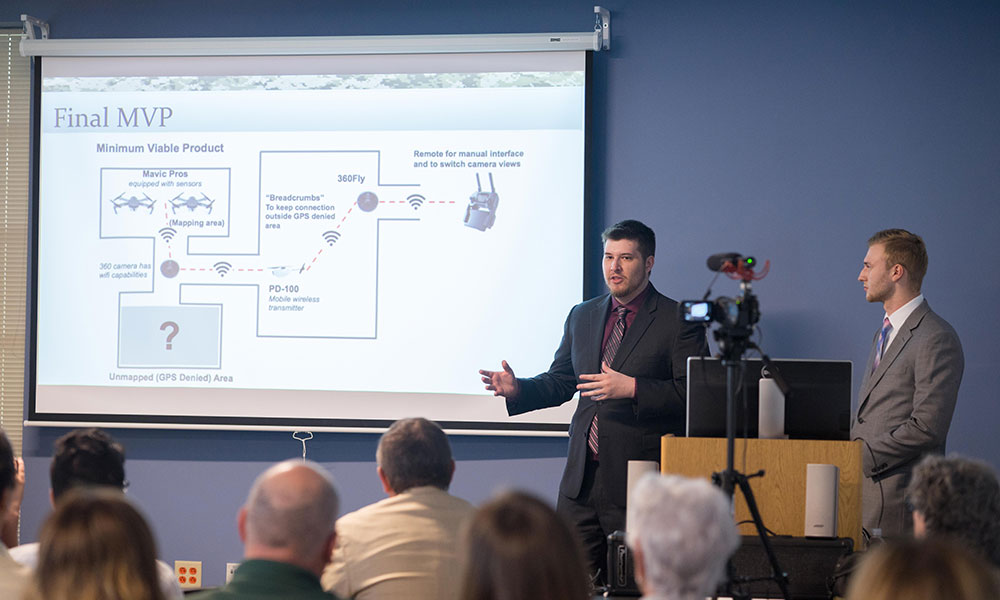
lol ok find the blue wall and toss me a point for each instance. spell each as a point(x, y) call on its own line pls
point(784, 129)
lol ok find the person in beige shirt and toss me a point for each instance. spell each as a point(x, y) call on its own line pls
point(404, 546)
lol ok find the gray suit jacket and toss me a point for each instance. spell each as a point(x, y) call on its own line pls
point(904, 411)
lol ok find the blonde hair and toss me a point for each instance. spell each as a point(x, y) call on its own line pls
point(903, 248)
point(926, 569)
point(95, 546)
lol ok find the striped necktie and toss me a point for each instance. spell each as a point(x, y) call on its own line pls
point(883, 337)
point(607, 357)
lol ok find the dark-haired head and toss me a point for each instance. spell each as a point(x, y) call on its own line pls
point(8, 471)
point(414, 453)
point(636, 231)
point(86, 458)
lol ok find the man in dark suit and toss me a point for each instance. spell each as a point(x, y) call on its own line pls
point(626, 353)
point(910, 384)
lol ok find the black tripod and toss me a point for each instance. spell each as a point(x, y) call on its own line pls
point(733, 342)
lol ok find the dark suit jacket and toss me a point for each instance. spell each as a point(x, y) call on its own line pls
point(904, 412)
point(654, 351)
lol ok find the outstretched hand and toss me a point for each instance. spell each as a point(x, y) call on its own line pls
point(606, 385)
point(501, 383)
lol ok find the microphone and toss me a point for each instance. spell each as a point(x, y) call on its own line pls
point(735, 260)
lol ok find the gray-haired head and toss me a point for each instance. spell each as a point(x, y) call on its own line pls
point(684, 530)
point(291, 510)
point(413, 453)
point(959, 498)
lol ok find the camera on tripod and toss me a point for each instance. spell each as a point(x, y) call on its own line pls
point(736, 316)
point(728, 312)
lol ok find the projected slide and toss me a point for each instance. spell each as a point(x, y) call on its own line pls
point(326, 239)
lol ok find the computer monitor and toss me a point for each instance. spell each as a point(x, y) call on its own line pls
point(818, 406)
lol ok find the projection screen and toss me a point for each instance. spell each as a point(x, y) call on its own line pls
point(303, 241)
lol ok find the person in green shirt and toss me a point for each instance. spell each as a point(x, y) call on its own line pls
point(287, 529)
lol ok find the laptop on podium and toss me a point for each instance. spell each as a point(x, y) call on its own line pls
point(818, 406)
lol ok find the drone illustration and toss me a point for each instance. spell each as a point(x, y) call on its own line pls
point(191, 202)
point(133, 202)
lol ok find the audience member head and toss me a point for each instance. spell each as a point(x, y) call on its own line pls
point(8, 470)
point(95, 546)
point(637, 231)
point(414, 453)
point(960, 498)
point(682, 533)
point(904, 248)
point(517, 548)
point(86, 458)
point(922, 569)
point(289, 515)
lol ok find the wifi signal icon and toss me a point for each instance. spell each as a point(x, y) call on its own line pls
point(168, 233)
point(222, 267)
point(415, 200)
point(331, 237)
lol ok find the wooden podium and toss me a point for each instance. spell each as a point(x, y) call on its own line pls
point(781, 492)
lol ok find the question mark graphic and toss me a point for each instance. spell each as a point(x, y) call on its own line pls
point(172, 334)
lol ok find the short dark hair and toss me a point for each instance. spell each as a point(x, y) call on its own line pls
point(903, 248)
point(518, 548)
point(631, 229)
point(959, 498)
point(8, 472)
point(413, 453)
point(86, 457)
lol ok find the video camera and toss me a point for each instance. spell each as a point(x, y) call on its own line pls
point(729, 312)
point(735, 316)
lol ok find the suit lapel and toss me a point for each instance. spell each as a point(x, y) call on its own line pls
point(893, 351)
point(643, 319)
point(595, 324)
point(866, 381)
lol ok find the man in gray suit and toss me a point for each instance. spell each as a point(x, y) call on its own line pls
point(910, 383)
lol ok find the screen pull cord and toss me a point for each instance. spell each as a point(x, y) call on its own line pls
point(303, 436)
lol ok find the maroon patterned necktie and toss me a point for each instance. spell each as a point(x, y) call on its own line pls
point(607, 357)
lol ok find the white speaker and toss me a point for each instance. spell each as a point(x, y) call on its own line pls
point(821, 500)
point(636, 470)
point(771, 410)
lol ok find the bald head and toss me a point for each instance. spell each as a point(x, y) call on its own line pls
point(289, 515)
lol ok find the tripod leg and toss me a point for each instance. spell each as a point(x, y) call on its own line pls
point(780, 576)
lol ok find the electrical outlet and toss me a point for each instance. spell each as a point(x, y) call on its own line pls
point(188, 574)
point(230, 569)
